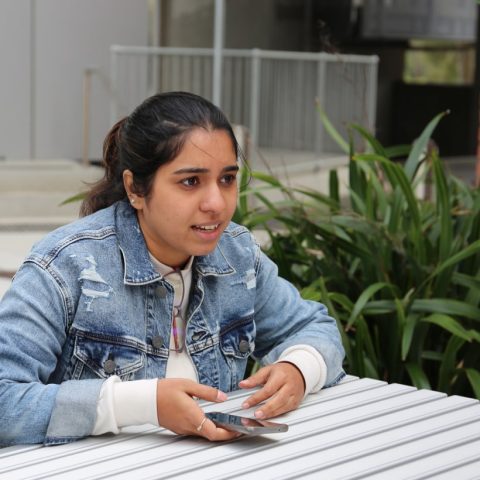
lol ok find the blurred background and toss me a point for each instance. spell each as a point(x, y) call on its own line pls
point(61, 62)
point(70, 68)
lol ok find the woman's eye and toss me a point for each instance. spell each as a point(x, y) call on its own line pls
point(229, 179)
point(190, 181)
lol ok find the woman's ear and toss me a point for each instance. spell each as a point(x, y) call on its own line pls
point(136, 201)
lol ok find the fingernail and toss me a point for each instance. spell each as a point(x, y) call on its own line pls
point(245, 405)
point(259, 414)
point(221, 396)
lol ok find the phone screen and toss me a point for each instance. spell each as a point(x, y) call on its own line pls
point(249, 426)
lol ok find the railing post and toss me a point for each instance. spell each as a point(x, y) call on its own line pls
point(87, 84)
point(154, 33)
point(114, 85)
point(372, 95)
point(319, 129)
point(217, 51)
point(255, 97)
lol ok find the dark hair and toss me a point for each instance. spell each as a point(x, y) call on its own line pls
point(151, 136)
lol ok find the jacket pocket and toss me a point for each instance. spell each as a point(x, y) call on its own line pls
point(100, 356)
point(237, 338)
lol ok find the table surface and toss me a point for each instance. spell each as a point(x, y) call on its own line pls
point(361, 428)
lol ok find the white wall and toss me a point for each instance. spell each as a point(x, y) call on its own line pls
point(44, 48)
point(15, 71)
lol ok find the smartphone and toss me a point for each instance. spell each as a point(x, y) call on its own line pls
point(249, 426)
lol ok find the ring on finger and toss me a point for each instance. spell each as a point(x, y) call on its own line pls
point(201, 424)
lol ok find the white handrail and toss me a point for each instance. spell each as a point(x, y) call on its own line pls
point(273, 54)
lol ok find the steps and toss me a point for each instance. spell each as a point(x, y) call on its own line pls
point(31, 192)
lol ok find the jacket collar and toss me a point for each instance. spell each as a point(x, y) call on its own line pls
point(138, 268)
point(215, 263)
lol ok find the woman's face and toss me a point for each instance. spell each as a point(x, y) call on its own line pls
point(192, 199)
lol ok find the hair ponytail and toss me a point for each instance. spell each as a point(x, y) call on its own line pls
point(110, 188)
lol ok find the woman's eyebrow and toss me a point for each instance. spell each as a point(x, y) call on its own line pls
point(182, 171)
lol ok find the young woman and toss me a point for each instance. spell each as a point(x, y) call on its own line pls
point(154, 298)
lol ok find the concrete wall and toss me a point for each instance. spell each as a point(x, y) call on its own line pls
point(15, 68)
point(263, 24)
point(186, 24)
point(44, 48)
point(248, 24)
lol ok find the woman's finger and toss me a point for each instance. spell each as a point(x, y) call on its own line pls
point(259, 378)
point(283, 401)
point(262, 377)
point(213, 433)
point(282, 391)
point(206, 393)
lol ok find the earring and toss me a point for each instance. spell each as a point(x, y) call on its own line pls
point(132, 201)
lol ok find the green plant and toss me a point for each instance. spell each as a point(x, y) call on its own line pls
point(401, 274)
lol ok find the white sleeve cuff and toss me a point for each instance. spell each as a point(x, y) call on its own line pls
point(123, 404)
point(310, 363)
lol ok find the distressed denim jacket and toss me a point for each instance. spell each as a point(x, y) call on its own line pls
point(87, 303)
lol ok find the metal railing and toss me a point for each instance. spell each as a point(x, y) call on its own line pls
point(272, 93)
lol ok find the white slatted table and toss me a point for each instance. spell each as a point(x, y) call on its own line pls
point(361, 428)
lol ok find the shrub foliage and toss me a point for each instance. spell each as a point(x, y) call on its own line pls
point(399, 272)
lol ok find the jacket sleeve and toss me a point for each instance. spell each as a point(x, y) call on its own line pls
point(283, 319)
point(34, 316)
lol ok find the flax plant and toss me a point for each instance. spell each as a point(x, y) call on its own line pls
point(399, 272)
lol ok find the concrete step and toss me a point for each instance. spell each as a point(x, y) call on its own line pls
point(31, 191)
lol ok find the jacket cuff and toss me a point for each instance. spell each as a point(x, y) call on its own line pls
point(106, 421)
point(74, 412)
point(124, 404)
point(135, 402)
point(310, 363)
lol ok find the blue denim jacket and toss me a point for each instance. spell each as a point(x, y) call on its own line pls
point(87, 303)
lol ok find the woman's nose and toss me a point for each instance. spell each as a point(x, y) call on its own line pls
point(213, 200)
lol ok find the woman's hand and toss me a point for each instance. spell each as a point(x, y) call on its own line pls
point(283, 387)
point(179, 412)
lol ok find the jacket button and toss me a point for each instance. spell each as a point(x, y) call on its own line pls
point(244, 346)
point(157, 341)
point(161, 291)
point(109, 366)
